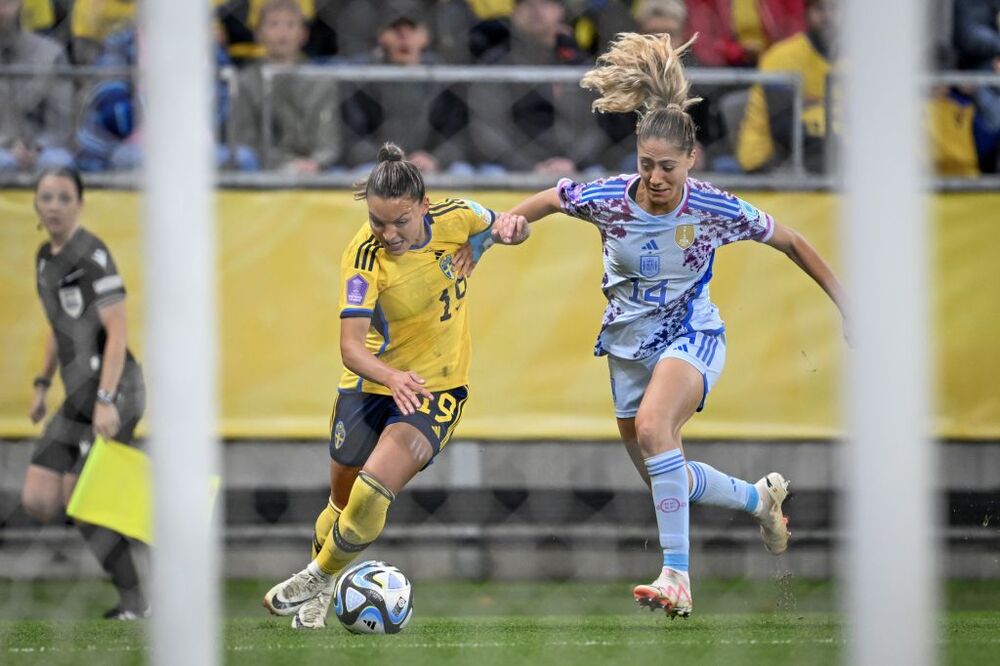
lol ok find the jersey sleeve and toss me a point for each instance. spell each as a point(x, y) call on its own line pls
point(571, 199)
point(359, 276)
point(597, 201)
point(751, 224)
point(736, 219)
point(102, 284)
point(480, 218)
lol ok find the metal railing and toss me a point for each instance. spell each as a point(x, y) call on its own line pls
point(791, 177)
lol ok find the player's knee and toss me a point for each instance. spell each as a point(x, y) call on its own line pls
point(40, 506)
point(654, 435)
point(648, 434)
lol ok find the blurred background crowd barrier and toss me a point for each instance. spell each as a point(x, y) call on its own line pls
point(476, 91)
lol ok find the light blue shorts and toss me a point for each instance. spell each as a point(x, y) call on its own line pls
point(705, 351)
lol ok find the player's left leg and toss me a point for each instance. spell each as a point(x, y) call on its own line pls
point(401, 452)
point(711, 487)
point(312, 614)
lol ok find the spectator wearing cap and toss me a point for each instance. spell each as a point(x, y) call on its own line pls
point(36, 114)
point(427, 120)
point(305, 133)
point(544, 128)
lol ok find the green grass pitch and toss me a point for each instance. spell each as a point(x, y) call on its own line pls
point(735, 622)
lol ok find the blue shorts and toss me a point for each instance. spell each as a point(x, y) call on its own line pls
point(359, 419)
point(705, 351)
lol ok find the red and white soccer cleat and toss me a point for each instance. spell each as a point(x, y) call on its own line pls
point(671, 592)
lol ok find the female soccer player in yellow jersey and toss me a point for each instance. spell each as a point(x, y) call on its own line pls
point(404, 340)
point(663, 337)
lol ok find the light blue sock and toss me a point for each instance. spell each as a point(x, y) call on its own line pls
point(713, 488)
point(669, 482)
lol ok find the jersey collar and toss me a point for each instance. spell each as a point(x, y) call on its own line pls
point(645, 216)
point(428, 228)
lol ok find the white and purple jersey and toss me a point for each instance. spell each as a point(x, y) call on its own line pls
point(657, 267)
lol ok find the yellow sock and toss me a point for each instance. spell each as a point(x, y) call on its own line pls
point(323, 526)
point(358, 525)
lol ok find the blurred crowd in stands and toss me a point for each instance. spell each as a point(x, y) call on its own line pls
point(309, 124)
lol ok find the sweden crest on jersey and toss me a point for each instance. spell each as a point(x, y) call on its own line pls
point(649, 265)
point(447, 267)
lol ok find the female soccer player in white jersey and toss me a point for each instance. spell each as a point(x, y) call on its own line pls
point(664, 339)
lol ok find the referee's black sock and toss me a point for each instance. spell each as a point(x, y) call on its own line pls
point(114, 552)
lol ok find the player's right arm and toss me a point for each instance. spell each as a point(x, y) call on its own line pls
point(44, 379)
point(539, 205)
point(565, 197)
point(407, 387)
point(359, 286)
point(510, 228)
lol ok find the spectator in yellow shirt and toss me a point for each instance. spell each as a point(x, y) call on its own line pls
point(764, 140)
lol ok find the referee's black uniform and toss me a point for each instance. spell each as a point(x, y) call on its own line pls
point(72, 286)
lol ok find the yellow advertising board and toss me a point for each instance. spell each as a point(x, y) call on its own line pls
point(535, 311)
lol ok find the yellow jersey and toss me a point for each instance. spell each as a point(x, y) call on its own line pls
point(755, 145)
point(416, 302)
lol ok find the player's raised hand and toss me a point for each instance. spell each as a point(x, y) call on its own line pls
point(511, 229)
point(408, 391)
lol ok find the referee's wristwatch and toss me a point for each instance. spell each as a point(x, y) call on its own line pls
point(106, 397)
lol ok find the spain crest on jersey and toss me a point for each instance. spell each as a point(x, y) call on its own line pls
point(649, 265)
point(684, 236)
point(447, 267)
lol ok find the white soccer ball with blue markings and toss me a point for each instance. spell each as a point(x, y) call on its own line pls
point(373, 598)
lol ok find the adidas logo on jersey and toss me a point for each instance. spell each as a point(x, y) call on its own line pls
point(651, 245)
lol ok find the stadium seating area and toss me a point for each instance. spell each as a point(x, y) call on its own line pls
point(295, 92)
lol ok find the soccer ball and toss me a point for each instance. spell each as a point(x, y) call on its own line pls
point(373, 598)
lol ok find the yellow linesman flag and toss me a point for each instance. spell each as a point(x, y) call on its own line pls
point(115, 490)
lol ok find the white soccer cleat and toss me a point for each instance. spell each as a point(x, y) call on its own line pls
point(286, 598)
point(671, 592)
point(312, 614)
point(773, 490)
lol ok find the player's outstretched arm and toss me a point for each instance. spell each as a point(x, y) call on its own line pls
point(510, 228)
point(507, 229)
point(538, 205)
point(799, 250)
point(407, 387)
